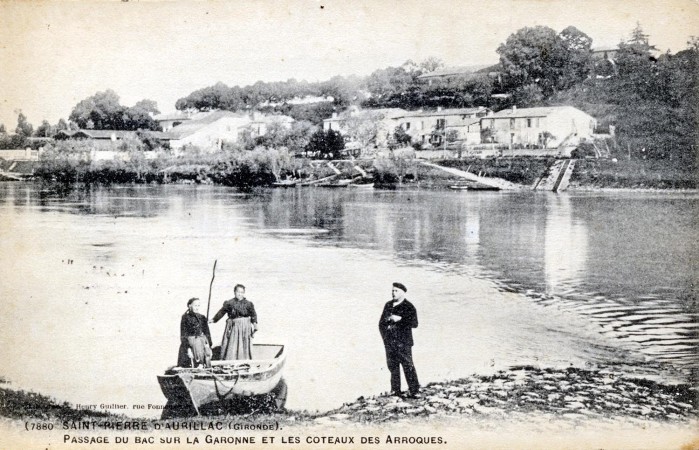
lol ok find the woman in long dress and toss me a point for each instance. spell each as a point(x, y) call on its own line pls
point(240, 326)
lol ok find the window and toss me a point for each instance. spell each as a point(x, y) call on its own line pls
point(407, 125)
point(512, 123)
point(422, 124)
point(441, 123)
point(529, 123)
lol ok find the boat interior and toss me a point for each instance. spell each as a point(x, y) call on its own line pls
point(264, 357)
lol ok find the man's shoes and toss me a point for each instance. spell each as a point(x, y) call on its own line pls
point(413, 394)
point(396, 394)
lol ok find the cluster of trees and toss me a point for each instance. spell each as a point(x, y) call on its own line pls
point(277, 135)
point(652, 101)
point(301, 137)
point(22, 133)
point(339, 91)
point(326, 144)
point(537, 61)
point(103, 111)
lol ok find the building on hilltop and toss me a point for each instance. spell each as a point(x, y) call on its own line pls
point(604, 62)
point(460, 72)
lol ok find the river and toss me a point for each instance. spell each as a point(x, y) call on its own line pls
point(94, 281)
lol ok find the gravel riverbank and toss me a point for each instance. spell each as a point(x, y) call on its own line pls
point(572, 394)
point(562, 394)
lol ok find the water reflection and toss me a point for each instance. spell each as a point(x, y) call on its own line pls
point(565, 246)
point(129, 201)
point(562, 279)
point(592, 256)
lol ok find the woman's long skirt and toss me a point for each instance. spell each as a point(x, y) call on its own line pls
point(200, 350)
point(237, 339)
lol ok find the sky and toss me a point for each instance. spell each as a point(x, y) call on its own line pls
point(55, 53)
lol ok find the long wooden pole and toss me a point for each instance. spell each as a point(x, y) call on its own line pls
point(208, 304)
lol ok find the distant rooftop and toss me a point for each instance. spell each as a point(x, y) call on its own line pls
point(445, 112)
point(455, 71)
point(194, 125)
point(528, 112)
point(97, 134)
point(609, 48)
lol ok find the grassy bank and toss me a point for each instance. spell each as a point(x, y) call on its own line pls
point(633, 174)
point(75, 161)
point(78, 162)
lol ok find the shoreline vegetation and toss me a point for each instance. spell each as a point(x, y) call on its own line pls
point(644, 103)
point(520, 393)
point(73, 162)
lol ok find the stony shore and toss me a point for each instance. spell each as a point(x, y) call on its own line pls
point(571, 394)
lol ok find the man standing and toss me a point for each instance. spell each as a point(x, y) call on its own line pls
point(195, 337)
point(396, 325)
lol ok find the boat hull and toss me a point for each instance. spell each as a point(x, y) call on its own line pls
point(195, 390)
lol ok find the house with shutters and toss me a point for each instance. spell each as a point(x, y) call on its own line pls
point(538, 128)
point(431, 127)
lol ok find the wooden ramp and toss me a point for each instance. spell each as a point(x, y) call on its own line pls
point(10, 176)
point(497, 183)
point(557, 177)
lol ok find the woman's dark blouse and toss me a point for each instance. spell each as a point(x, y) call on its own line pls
point(237, 308)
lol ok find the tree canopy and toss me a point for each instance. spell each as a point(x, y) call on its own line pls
point(539, 55)
point(103, 111)
point(24, 128)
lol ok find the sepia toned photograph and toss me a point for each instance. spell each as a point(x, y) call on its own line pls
point(305, 224)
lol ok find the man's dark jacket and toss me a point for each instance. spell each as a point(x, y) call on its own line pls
point(401, 332)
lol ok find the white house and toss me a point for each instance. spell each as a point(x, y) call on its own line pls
point(430, 126)
point(167, 121)
point(208, 132)
point(259, 123)
point(543, 127)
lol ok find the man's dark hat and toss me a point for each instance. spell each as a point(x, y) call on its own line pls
point(400, 286)
point(192, 300)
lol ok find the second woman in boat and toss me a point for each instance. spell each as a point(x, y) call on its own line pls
point(240, 326)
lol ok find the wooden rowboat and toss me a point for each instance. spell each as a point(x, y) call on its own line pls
point(473, 187)
point(285, 183)
point(222, 387)
point(337, 184)
point(362, 185)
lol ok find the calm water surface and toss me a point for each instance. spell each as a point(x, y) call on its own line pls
point(94, 282)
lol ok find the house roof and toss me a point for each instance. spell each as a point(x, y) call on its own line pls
point(390, 113)
point(192, 126)
point(605, 49)
point(528, 112)
point(97, 134)
point(454, 71)
point(273, 118)
point(179, 115)
point(444, 112)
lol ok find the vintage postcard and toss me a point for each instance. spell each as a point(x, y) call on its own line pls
point(308, 224)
